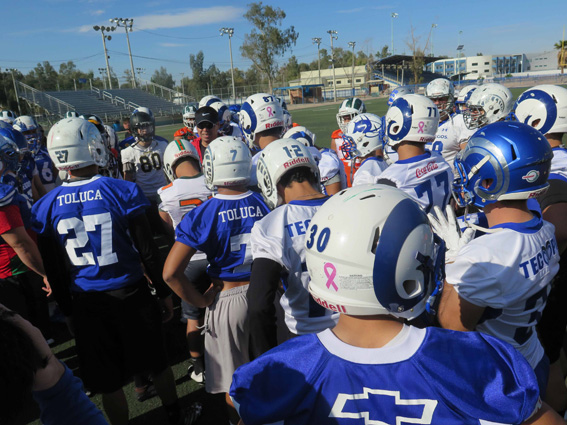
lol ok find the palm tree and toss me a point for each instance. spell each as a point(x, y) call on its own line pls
point(561, 54)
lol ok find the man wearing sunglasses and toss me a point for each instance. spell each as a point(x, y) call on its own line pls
point(207, 123)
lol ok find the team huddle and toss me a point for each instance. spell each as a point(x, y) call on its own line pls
point(408, 274)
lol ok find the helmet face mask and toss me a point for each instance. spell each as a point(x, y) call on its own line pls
point(488, 103)
point(29, 127)
point(387, 262)
point(9, 155)
point(366, 132)
point(442, 92)
point(143, 127)
point(349, 109)
point(189, 116)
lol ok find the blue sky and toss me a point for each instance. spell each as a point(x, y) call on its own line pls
point(166, 32)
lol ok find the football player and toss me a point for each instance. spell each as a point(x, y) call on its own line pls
point(411, 122)
point(187, 191)
point(8, 116)
point(452, 132)
point(348, 109)
point(93, 235)
point(489, 103)
point(544, 107)
point(331, 169)
point(221, 229)
point(498, 283)
point(142, 163)
point(132, 135)
point(377, 272)
point(289, 179)
point(189, 124)
point(463, 97)
point(363, 139)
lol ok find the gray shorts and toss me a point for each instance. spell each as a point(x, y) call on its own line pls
point(196, 272)
point(226, 338)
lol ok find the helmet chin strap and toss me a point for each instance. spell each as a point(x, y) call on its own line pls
point(476, 226)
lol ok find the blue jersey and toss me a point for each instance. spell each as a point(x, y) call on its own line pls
point(130, 140)
point(90, 219)
point(221, 228)
point(45, 168)
point(423, 376)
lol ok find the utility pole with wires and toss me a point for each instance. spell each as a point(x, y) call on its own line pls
point(352, 44)
point(317, 41)
point(334, 36)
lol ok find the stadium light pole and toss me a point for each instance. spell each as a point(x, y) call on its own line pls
point(394, 16)
point(230, 33)
point(317, 41)
point(433, 26)
point(334, 36)
point(102, 29)
point(11, 71)
point(127, 24)
point(352, 44)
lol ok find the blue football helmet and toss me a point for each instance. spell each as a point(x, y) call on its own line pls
point(386, 261)
point(9, 155)
point(515, 157)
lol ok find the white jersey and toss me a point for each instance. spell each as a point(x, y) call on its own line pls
point(509, 273)
point(369, 171)
point(390, 155)
point(450, 134)
point(180, 197)
point(280, 237)
point(559, 163)
point(426, 178)
point(331, 167)
point(148, 165)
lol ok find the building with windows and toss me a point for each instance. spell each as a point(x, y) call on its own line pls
point(484, 66)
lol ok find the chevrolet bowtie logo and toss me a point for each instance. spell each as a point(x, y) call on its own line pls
point(337, 411)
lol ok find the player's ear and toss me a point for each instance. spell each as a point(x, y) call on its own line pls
point(486, 183)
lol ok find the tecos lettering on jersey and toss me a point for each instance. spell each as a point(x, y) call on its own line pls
point(77, 198)
point(240, 213)
point(299, 226)
point(540, 261)
point(420, 172)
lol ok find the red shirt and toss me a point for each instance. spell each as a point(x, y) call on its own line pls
point(10, 264)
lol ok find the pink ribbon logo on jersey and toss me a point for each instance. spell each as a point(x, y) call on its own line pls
point(420, 126)
point(331, 273)
point(270, 112)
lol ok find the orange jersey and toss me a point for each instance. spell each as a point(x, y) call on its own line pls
point(336, 142)
point(184, 133)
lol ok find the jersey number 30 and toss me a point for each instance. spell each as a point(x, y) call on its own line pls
point(82, 228)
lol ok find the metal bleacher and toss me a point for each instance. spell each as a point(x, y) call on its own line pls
point(158, 105)
point(87, 102)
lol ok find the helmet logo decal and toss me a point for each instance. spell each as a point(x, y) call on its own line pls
point(532, 176)
point(420, 125)
point(270, 112)
point(331, 272)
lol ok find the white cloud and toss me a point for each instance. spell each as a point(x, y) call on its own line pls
point(97, 12)
point(183, 18)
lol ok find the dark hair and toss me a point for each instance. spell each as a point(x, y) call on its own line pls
point(19, 361)
point(299, 175)
point(126, 119)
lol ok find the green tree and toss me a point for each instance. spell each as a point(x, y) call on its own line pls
point(162, 77)
point(267, 41)
point(561, 46)
point(384, 52)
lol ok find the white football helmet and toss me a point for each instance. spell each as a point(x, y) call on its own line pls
point(370, 250)
point(72, 114)
point(208, 100)
point(175, 151)
point(258, 113)
point(440, 89)
point(349, 108)
point(112, 137)
point(364, 134)
point(399, 91)
point(28, 126)
point(8, 116)
point(301, 134)
point(226, 162)
point(412, 118)
point(76, 143)
point(145, 110)
point(288, 120)
point(489, 103)
point(544, 107)
point(278, 158)
point(463, 97)
point(189, 116)
point(223, 111)
point(282, 102)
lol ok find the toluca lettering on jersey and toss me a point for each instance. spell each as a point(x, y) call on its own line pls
point(77, 198)
point(414, 407)
point(420, 172)
point(338, 308)
point(240, 213)
point(295, 161)
point(539, 261)
point(299, 226)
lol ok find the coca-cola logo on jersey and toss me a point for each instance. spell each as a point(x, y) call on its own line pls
point(420, 172)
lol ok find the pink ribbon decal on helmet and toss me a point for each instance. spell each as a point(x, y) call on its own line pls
point(270, 112)
point(420, 125)
point(331, 273)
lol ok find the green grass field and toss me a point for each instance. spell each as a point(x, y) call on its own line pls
point(319, 119)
